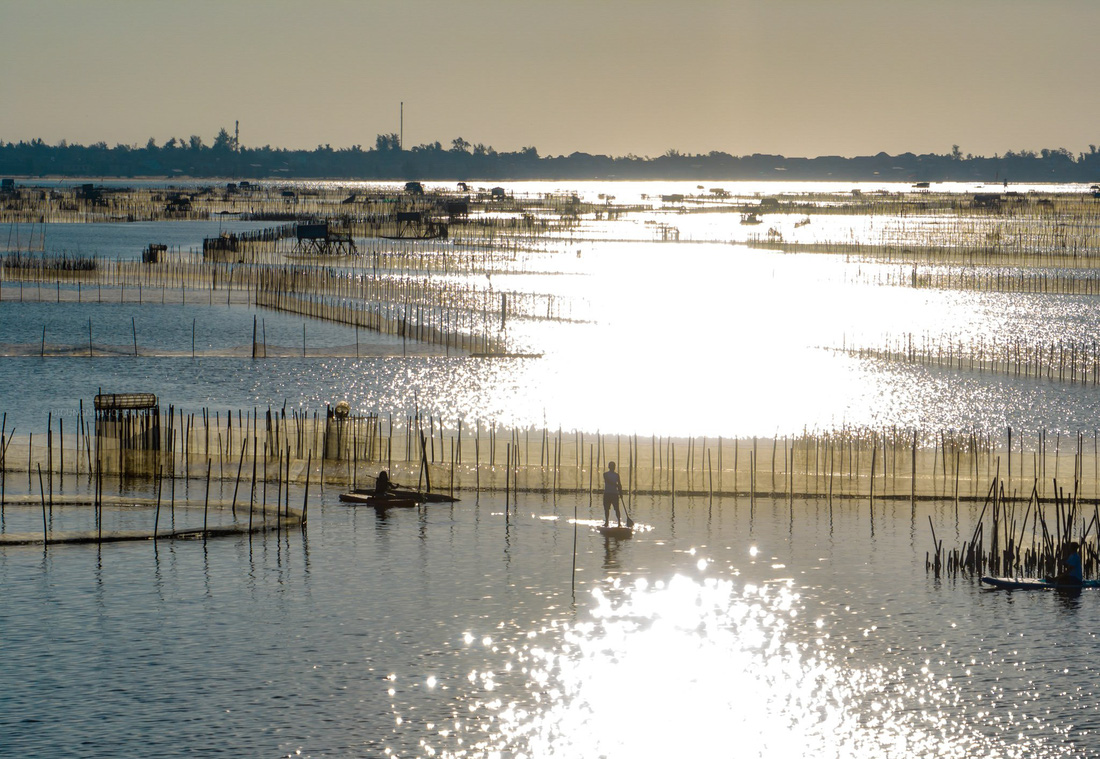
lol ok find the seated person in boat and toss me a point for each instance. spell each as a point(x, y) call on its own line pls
point(1072, 573)
point(382, 484)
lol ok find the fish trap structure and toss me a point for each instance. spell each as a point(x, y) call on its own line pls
point(324, 239)
point(56, 520)
point(415, 225)
point(128, 432)
point(349, 437)
point(245, 247)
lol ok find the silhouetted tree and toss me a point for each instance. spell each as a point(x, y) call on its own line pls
point(387, 142)
point(223, 143)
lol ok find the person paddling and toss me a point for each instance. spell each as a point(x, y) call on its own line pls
point(612, 491)
point(382, 484)
point(1072, 573)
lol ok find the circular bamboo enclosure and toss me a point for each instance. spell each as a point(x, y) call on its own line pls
point(62, 520)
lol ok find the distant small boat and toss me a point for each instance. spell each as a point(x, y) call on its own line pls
point(751, 218)
point(612, 531)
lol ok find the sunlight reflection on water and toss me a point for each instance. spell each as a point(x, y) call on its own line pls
point(655, 338)
point(700, 668)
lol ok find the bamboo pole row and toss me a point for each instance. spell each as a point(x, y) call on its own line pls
point(345, 451)
point(1053, 230)
point(446, 311)
point(275, 201)
point(1070, 361)
point(1060, 281)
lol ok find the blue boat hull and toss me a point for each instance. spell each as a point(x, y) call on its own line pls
point(1034, 583)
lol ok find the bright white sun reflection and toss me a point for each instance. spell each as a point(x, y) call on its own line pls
point(702, 668)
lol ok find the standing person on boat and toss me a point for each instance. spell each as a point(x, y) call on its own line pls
point(612, 490)
point(1072, 573)
point(382, 484)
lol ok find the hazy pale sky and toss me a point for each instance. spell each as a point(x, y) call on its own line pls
point(796, 77)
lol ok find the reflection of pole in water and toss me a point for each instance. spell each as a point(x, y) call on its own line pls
point(42, 494)
point(160, 491)
point(573, 580)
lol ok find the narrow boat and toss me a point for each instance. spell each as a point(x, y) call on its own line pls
point(612, 531)
point(388, 501)
point(421, 497)
point(1034, 583)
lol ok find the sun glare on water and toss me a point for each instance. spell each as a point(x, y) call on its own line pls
point(700, 668)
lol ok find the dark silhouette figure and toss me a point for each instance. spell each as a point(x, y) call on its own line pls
point(382, 484)
point(1072, 573)
point(612, 490)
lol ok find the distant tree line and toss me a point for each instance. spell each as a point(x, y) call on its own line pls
point(387, 160)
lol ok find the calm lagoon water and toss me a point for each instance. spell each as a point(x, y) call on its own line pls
point(724, 629)
point(124, 241)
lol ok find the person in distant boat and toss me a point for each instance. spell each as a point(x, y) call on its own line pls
point(1072, 572)
point(612, 490)
point(382, 484)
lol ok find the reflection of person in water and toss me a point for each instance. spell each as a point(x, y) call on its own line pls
point(611, 548)
point(612, 489)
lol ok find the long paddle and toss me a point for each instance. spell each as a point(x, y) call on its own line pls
point(427, 497)
point(629, 521)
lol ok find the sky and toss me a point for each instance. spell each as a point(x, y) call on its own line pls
point(615, 77)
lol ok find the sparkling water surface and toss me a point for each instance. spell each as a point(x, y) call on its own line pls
point(669, 339)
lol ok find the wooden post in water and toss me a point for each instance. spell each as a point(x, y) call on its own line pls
point(4, 463)
point(913, 469)
point(874, 453)
point(672, 472)
point(252, 493)
point(710, 478)
point(305, 497)
point(206, 500)
point(788, 483)
point(957, 483)
point(752, 480)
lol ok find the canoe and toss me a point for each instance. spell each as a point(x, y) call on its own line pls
point(612, 531)
point(383, 502)
point(421, 497)
point(1034, 583)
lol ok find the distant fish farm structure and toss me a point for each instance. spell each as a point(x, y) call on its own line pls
point(421, 263)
